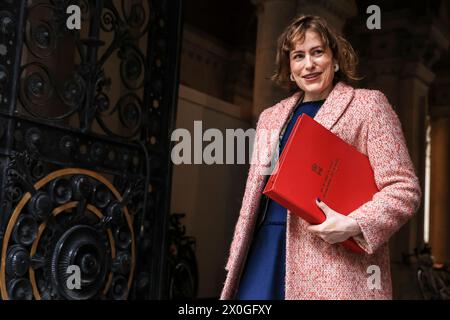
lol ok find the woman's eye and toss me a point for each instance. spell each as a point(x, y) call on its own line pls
point(298, 56)
point(318, 52)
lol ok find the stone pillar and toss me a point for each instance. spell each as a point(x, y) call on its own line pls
point(335, 12)
point(440, 169)
point(412, 108)
point(273, 17)
point(440, 155)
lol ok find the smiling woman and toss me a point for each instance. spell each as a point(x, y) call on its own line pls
point(312, 67)
point(308, 46)
point(277, 255)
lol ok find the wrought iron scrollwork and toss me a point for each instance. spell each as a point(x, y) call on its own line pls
point(86, 90)
point(85, 117)
point(70, 217)
point(183, 272)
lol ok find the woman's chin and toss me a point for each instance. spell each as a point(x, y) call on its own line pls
point(313, 90)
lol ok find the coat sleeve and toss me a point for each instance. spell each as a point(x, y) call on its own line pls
point(399, 189)
point(240, 232)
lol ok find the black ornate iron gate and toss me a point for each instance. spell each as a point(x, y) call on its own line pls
point(85, 117)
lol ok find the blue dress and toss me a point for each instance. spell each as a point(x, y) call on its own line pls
point(265, 269)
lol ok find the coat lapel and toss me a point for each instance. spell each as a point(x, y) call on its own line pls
point(279, 117)
point(330, 112)
point(282, 114)
point(335, 105)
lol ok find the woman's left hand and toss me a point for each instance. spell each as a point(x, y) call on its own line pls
point(336, 228)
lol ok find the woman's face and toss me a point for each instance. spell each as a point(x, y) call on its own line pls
point(312, 67)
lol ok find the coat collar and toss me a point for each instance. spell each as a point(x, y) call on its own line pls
point(330, 112)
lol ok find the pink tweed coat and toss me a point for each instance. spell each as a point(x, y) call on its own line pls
point(314, 268)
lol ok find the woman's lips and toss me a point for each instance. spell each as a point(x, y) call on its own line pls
point(312, 77)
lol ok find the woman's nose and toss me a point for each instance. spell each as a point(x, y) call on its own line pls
point(309, 62)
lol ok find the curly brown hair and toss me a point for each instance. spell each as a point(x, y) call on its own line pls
point(342, 50)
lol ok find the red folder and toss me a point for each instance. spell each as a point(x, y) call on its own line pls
point(315, 163)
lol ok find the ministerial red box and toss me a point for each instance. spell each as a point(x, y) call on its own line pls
point(315, 163)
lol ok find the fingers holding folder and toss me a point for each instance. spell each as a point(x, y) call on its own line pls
point(336, 228)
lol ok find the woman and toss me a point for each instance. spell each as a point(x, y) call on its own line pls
point(286, 258)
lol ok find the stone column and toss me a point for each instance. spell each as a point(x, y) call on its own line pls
point(335, 12)
point(273, 17)
point(440, 154)
point(440, 168)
